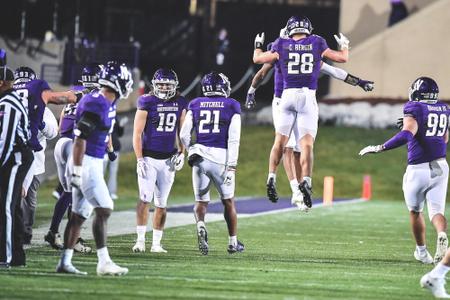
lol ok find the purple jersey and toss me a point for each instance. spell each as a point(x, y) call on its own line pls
point(96, 103)
point(277, 78)
point(429, 142)
point(300, 60)
point(32, 91)
point(211, 119)
point(163, 119)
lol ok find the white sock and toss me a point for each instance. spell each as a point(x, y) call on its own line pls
point(439, 271)
point(308, 180)
point(67, 256)
point(140, 230)
point(251, 90)
point(272, 175)
point(232, 240)
point(294, 186)
point(200, 224)
point(103, 255)
point(157, 236)
point(421, 248)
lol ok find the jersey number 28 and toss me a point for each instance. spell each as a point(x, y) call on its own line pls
point(305, 61)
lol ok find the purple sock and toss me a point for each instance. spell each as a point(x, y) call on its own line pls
point(60, 209)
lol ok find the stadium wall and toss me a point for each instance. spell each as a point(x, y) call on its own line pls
point(393, 58)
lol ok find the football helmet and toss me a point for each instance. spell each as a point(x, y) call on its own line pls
point(24, 74)
point(118, 78)
point(165, 83)
point(424, 89)
point(298, 24)
point(215, 84)
point(90, 74)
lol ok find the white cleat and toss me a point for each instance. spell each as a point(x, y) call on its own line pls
point(297, 199)
point(435, 286)
point(158, 249)
point(139, 246)
point(68, 268)
point(423, 257)
point(441, 247)
point(110, 268)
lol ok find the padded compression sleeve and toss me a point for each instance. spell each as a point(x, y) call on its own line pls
point(87, 124)
point(398, 140)
point(334, 72)
point(234, 136)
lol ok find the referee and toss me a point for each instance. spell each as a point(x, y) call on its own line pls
point(15, 160)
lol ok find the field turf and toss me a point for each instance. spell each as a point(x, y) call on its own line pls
point(351, 251)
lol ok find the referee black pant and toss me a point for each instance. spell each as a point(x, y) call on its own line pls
point(12, 175)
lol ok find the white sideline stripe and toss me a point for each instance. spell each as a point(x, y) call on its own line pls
point(124, 222)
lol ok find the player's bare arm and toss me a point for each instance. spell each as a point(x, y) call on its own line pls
point(139, 124)
point(260, 57)
point(59, 97)
point(180, 146)
point(261, 74)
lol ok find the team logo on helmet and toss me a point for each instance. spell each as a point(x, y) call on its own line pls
point(424, 89)
point(118, 78)
point(165, 83)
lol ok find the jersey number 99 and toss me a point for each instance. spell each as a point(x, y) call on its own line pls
point(437, 124)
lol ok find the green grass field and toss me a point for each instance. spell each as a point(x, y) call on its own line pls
point(354, 251)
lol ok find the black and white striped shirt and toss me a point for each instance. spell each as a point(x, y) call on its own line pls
point(14, 124)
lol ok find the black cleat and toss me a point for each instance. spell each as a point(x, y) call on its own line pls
point(238, 248)
point(307, 193)
point(202, 235)
point(272, 190)
point(54, 239)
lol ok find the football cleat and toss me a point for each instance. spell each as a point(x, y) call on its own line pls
point(423, 257)
point(158, 249)
point(54, 239)
point(435, 285)
point(139, 246)
point(239, 247)
point(307, 193)
point(68, 268)
point(297, 199)
point(110, 268)
point(81, 247)
point(441, 247)
point(202, 236)
point(272, 190)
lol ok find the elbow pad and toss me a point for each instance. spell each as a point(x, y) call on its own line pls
point(87, 124)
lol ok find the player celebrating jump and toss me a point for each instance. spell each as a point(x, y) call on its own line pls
point(300, 57)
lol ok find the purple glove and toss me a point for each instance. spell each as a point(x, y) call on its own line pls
point(250, 102)
point(366, 85)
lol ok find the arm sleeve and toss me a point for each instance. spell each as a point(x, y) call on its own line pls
point(398, 140)
point(234, 137)
point(88, 122)
point(186, 129)
point(334, 72)
point(50, 131)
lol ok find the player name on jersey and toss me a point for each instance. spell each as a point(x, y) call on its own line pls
point(215, 104)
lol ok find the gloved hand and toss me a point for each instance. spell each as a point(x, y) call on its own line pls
point(342, 41)
point(112, 156)
point(250, 102)
point(75, 180)
point(259, 40)
point(400, 123)
point(178, 161)
point(366, 85)
point(230, 173)
point(371, 149)
point(141, 168)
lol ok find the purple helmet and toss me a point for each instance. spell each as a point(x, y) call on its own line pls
point(216, 84)
point(90, 74)
point(24, 74)
point(165, 83)
point(424, 89)
point(298, 24)
point(118, 78)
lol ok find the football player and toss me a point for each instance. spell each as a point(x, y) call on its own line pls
point(216, 121)
point(291, 152)
point(94, 121)
point(63, 159)
point(425, 130)
point(36, 94)
point(300, 58)
point(159, 153)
